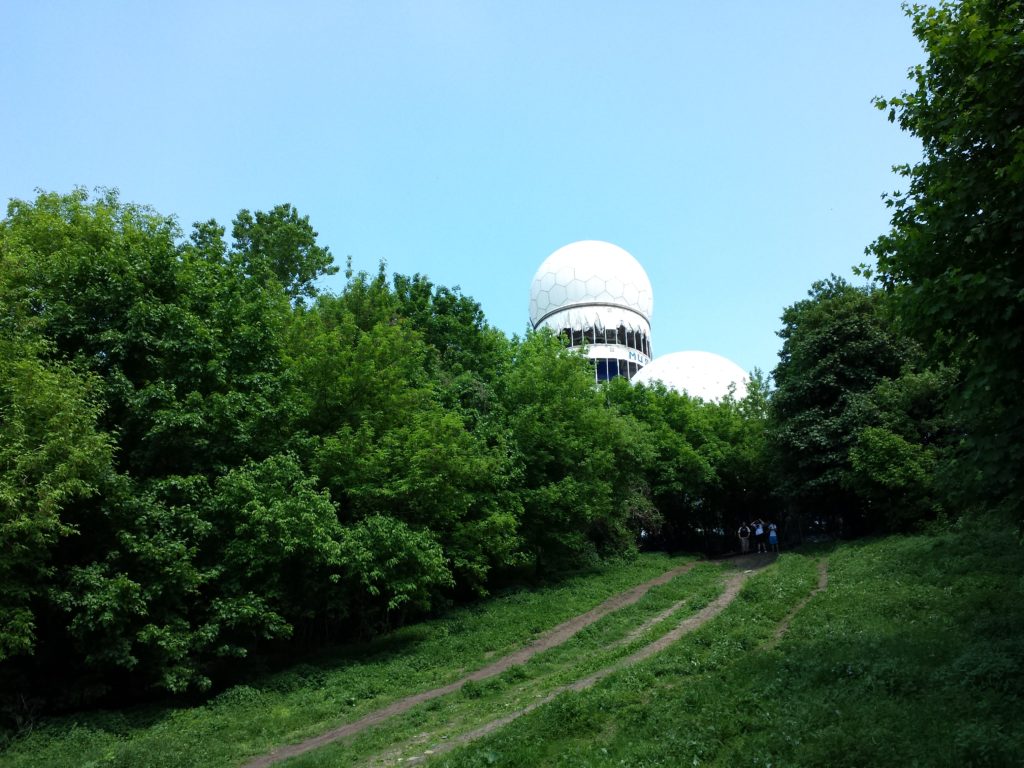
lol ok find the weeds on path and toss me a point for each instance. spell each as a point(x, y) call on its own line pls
point(429, 726)
point(913, 656)
point(316, 695)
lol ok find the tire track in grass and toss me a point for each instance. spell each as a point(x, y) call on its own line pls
point(650, 623)
point(743, 562)
point(549, 639)
point(784, 624)
point(732, 587)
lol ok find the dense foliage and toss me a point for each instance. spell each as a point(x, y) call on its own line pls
point(204, 457)
point(952, 260)
point(706, 470)
point(858, 433)
point(898, 403)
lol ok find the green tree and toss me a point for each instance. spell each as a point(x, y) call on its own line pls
point(705, 464)
point(675, 473)
point(376, 429)
point(185, 344)
point(952, 259)
point(173, 350)
point(280, 245)
point(52, 458)
point(451, 323)
point(392, 569)
point(736, 450)
point(837, 346)
point(902, 461)
point(572, 452)
point(276, 549)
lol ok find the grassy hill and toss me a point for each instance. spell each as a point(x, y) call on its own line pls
point(913, 655)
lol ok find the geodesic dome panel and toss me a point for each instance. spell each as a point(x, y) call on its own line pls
point(591, 284)
point(698, 374)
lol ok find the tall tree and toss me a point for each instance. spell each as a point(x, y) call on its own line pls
point(52, 457)
point(571, 449)
point(702, 463)
point(281, 245)
point(953, 258)
point(169, 428)
point(675, 472)
point(902, 458)
point(837, 346)
point(376, 432)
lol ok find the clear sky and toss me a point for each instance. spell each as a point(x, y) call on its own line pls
point(732, 148)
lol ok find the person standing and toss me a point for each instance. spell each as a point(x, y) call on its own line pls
point(759, 535)
point(744, 534)
point(773, 537)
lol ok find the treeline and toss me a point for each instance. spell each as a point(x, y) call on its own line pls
point(905, 400)
point(202, 457)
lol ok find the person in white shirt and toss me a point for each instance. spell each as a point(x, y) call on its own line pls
point(758, 526)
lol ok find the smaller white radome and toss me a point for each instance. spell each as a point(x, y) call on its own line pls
point(698, 374)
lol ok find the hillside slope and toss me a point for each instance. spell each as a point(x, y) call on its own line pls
point(913, 656)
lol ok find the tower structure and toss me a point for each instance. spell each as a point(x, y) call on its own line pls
point(595, 294)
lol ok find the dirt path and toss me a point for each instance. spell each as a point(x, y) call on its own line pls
point(784, 624)
point(732, 587)
point(549, 639)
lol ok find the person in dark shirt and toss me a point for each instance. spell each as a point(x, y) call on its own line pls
point(744, 534)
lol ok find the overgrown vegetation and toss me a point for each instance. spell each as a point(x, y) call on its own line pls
point(860, 431)
point(952, 260)
point(206, 459)
point(341, 685)
point(914, 655)
point(208, 465)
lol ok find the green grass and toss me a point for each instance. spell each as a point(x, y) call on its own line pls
point(321, 693)
point(599, 645)
point(914, 656)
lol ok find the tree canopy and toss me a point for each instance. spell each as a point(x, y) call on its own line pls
point(952, 259)
point(856, 429)
point(207, 457)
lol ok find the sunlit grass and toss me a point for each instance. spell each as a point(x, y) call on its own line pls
point(320, 693)
point(914, 656)
point(477, 703)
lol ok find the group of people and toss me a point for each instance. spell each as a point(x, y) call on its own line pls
point(766, 536)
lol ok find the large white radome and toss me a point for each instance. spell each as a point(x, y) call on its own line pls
point(599, 281)
point(698, 374)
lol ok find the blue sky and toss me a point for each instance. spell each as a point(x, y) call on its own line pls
point(731, 147)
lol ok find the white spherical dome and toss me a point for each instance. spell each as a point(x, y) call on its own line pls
point(698, 374)
point(590, 273)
